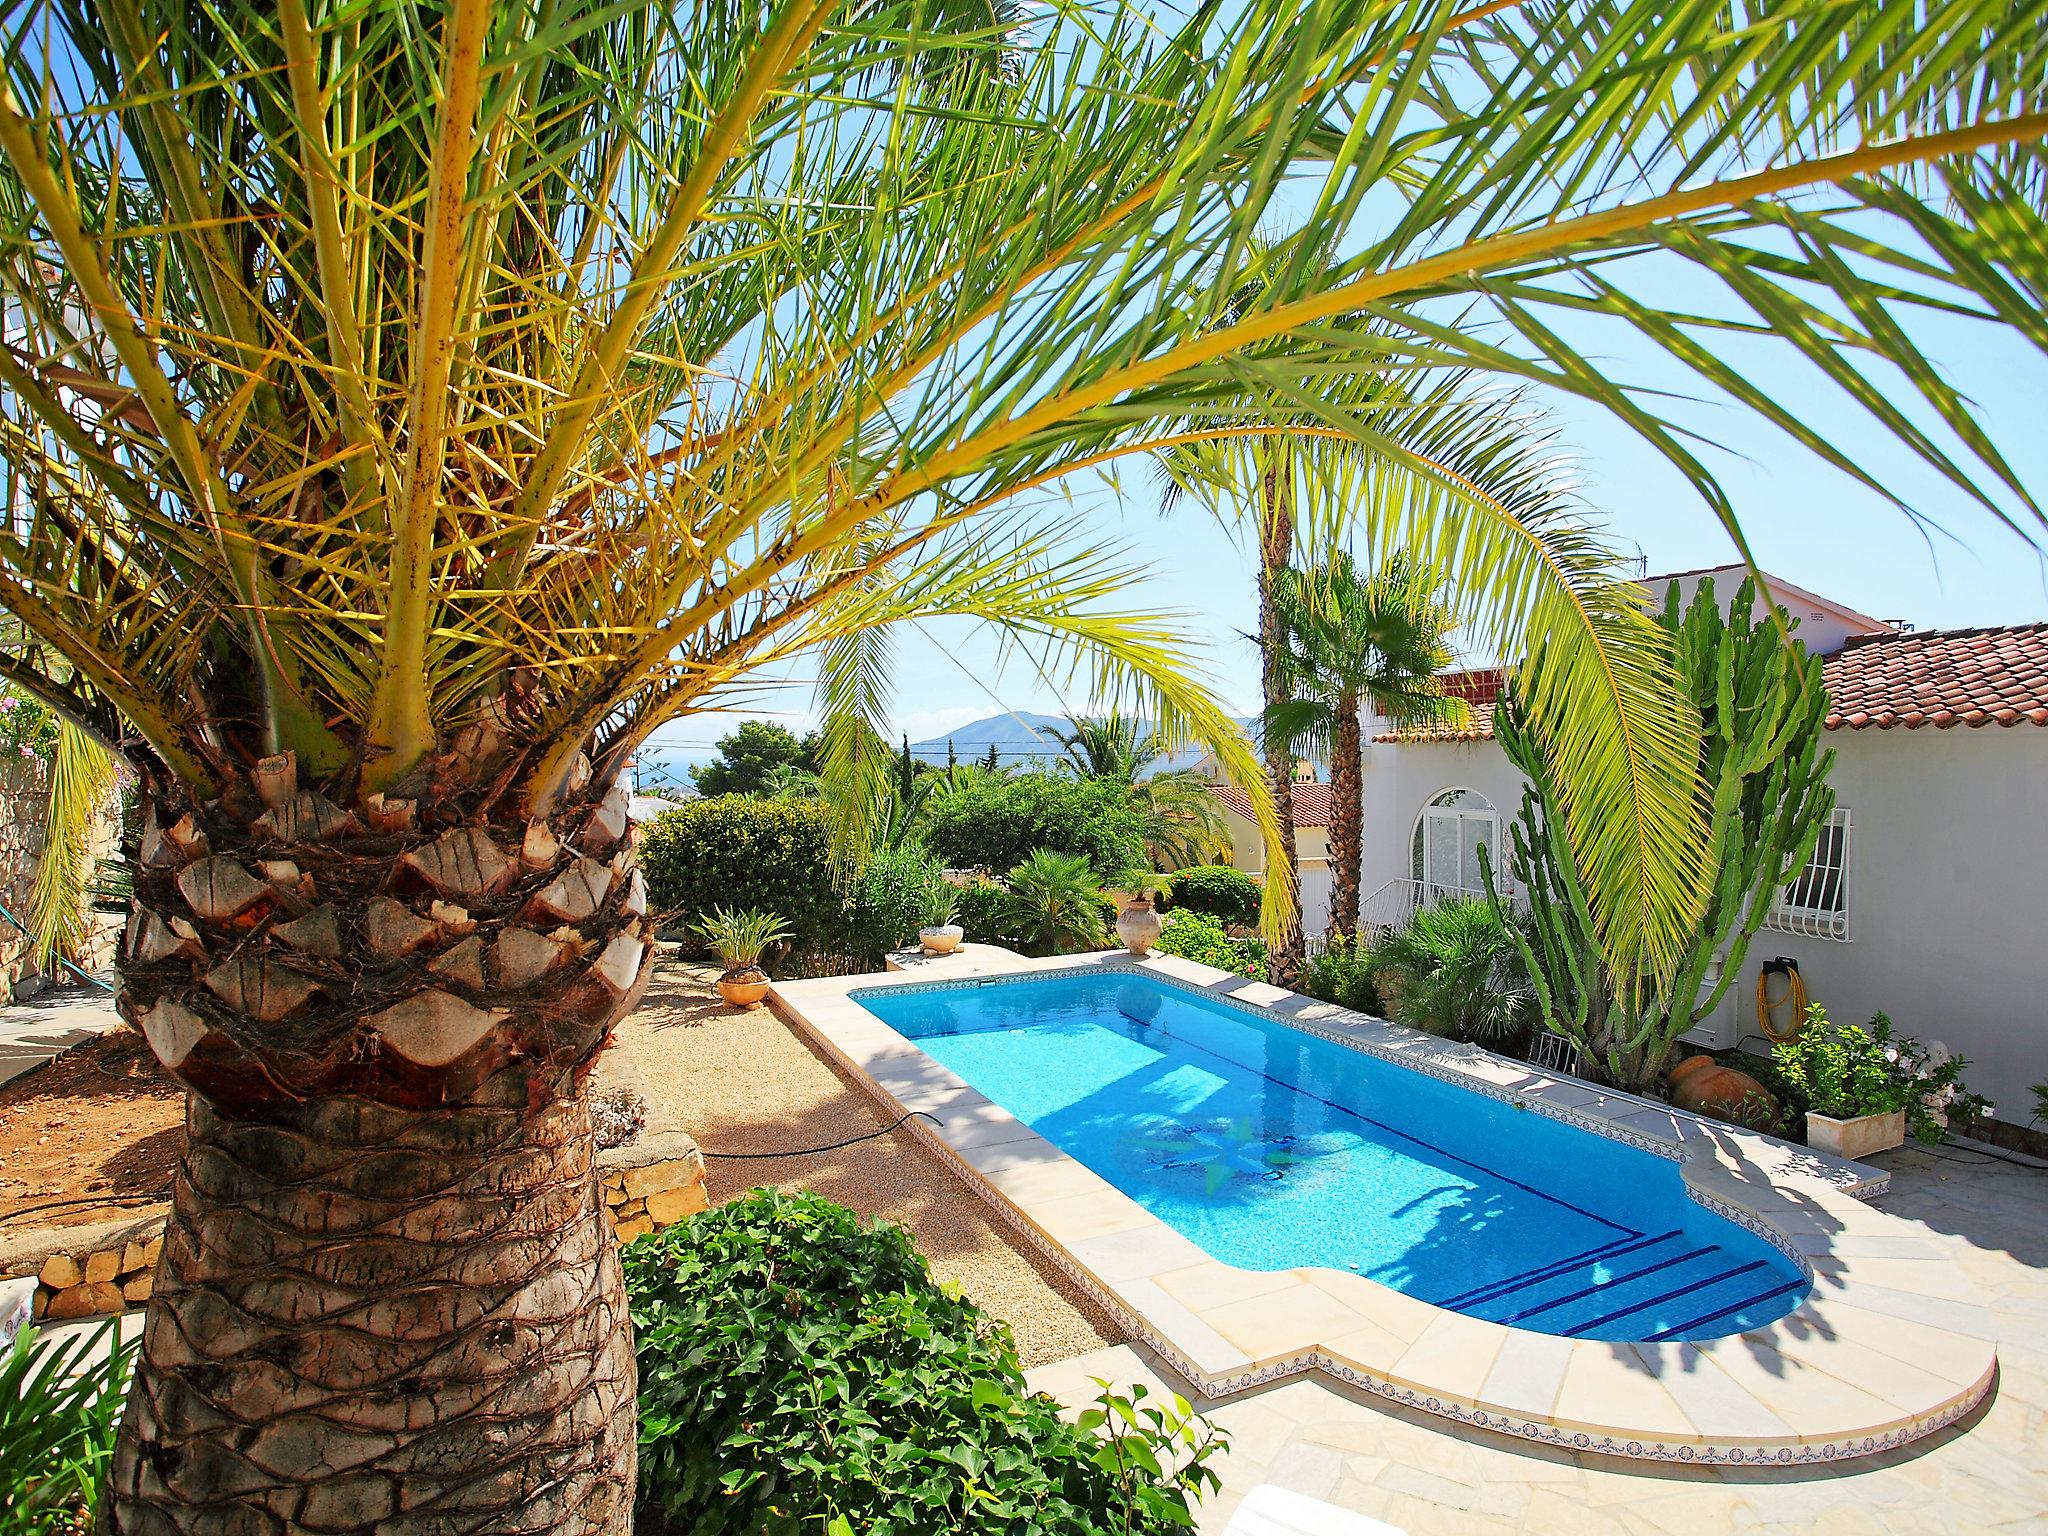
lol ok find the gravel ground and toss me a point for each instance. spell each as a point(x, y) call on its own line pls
point(745, 1082)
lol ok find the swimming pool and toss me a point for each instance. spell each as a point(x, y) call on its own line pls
point(1272, 1148)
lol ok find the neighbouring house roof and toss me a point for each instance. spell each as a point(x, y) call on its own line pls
point(1974, 677)
point(1955, 677)
point(1311, 802)
point(1787, 594)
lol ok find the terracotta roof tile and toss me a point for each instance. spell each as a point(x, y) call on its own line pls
point(1971, 677)
point(1955, 677)
point(1311, 802)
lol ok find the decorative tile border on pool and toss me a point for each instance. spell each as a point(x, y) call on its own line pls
point(1892, 1344)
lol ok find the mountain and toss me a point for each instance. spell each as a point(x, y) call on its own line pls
point(1020, 738)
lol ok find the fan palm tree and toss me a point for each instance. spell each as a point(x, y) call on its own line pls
point(1357, 639)
point(408, 409)
point(1183, 820)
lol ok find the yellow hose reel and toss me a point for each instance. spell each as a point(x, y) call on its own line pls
point(1777, 1025)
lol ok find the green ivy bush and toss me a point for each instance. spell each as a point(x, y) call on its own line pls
point(1199, 937)
point(733, 850)
point(997, 823)
point(801, 1372)
point(1217, 889)
point(1344, 972)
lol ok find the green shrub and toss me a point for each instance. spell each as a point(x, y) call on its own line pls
point(1346, 973)
point(888, 902)
point(1056, 904)
point(997, 823)
point(1217, 889)
point(1199, 937)
point(1456, 970)
point(1845, 1070)
point(802, 1372)
point(983, 913)
point(58, 1411)
point(734, 851)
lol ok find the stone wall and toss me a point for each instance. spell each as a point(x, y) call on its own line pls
point(24, 797)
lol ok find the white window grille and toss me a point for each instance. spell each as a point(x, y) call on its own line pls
point(1816, 903)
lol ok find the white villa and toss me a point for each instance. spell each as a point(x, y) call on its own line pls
point(1927, 898)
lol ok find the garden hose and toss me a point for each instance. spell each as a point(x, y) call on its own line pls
point(1795, 994)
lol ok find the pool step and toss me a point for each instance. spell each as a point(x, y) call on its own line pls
point(1653, 1287)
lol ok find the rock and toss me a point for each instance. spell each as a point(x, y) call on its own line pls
point(60, 1272)
point(652, 1178)
point(674, 1204)
point(132, 1258)
point(139, 1288)
point(87, 1300)
point(101, 1266)
point(1706, 1088)
point(639, 1226)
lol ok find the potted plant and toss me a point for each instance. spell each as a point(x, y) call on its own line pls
point(739, 939)
point(1138, 924)
point(1864, 1089)
point(940, 935)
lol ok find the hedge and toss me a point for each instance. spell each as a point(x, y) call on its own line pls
point(733, 851)
point(1217, 889)
point(996, 823)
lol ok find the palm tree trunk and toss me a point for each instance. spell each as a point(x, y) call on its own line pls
point(1347, 817)
point(388, 1298)
point(1276, 548)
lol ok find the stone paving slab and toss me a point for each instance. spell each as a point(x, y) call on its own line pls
point(36, 1029)
point(1830, 1380)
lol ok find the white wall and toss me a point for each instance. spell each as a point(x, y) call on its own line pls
point(1403, 777)
point(1948, 901)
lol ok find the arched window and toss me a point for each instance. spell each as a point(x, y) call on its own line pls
point(1448, 836)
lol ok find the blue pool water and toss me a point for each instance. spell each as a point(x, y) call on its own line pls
point(1271, 1148)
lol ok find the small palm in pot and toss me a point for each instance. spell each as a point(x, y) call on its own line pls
point(940, 935)
point(739, 939)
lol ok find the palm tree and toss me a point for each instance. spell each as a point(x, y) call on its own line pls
point(1358, 639)
point(1183, 819)
point(408, 409)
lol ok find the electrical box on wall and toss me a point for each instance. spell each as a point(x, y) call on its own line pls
point(1720, 1030)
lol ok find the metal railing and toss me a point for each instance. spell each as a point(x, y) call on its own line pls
point(1395, 904)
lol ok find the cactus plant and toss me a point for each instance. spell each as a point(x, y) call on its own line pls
point(1765, 778)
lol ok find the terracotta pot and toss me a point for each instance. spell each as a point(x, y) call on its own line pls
point(745, 987)
point(1138, 927)
point(1706, 1088)
point(1858, 1136)
point(942, 940)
